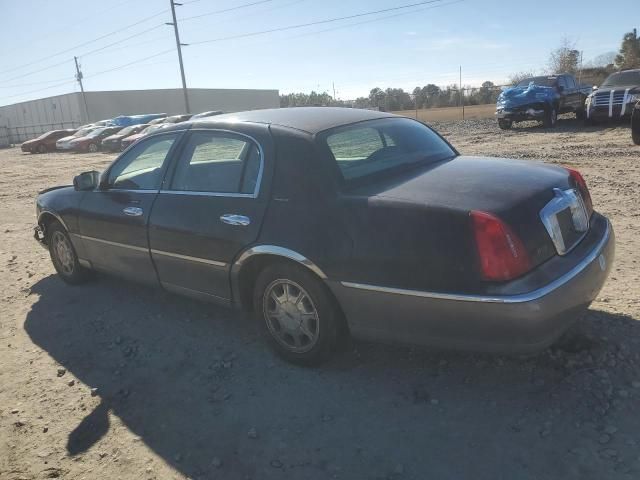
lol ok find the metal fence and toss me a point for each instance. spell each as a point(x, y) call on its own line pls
point(4, 137)
point(23, 133)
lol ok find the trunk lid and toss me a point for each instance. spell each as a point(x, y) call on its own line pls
point(514, 190)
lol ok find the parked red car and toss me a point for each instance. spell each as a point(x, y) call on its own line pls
point(91, 142)
point(45, 142)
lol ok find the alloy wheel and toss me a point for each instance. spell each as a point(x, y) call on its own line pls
point(63, 252)
point(291, 316)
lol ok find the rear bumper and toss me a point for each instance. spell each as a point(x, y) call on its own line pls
point(518, 323)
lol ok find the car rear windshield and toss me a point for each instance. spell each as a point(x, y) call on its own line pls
point(542, 81)
point(622, 79)
point(380, 147)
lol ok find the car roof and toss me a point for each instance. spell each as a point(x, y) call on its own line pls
point(308, 119)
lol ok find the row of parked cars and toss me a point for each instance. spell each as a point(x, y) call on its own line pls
point(111, 135)
point(545, 97)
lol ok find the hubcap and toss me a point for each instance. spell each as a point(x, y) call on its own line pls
point(93, 148)
point(291, 316)
point(63, 252)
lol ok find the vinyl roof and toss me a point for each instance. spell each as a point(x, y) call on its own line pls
point(309, 119)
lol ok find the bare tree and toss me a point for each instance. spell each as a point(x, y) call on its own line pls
point(517, 77)
point(565, 58)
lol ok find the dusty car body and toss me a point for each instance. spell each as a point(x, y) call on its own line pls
point(326, 220)
point(92, 141)
point(113, 143)
point(211, 113)
point(541, 98)
point(64, 143)
point(615, 98)
point(45, 142)
point(127, 141)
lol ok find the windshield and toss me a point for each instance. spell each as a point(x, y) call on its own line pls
point(622, 79)
point(83, 133)
point(541, 81)
point(150, 129)
point(129, 129)
point(379, 146)
point(96, 132)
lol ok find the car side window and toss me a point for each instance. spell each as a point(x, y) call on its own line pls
point(141, 167)
point(562, 82)
point(570, 82)
point(218, 162)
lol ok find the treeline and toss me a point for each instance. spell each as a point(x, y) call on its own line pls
point(565, 59)
point(391, 99)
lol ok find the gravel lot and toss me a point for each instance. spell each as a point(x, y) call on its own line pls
point(113, 380)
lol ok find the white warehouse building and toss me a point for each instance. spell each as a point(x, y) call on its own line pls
point(25, 120)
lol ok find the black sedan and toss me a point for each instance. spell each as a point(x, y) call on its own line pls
point(328, 222)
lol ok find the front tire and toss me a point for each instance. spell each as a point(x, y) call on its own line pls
point(505, 123)
point(581, 114)
point(298, 315)
point(550, 117)
point(93, 148)
point(64, 257)
point(635, 125)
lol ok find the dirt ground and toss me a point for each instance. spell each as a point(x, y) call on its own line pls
point(443, 114)
point(117, 381)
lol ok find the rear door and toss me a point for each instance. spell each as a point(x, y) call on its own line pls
point(113, 219)
point(210, 208)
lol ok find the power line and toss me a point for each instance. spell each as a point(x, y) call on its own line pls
point(119, 67)
point(318, 22)
point(215, 12)
point(32, 84)
point(39, 90)
point(85, 43)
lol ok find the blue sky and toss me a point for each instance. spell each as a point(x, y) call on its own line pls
point(426, 44)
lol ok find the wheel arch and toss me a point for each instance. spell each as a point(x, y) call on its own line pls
point(46, 218)
point(250, 262)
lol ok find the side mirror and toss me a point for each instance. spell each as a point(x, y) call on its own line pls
point(87, 181)
point(594, 88)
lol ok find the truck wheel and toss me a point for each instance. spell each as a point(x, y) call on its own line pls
point(505, 123)
point(581, 114)
point(63, 255)
point(42, 148)
point(299, 317)
point(550, 117)
point(635, 125)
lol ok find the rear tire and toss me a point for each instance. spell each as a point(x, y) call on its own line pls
point(42, 148)
point(635, 124)
point(64, 257)
point(581, 114)
point(298, 315)
point(505, 123)
point(93, 148)
point(550, 117)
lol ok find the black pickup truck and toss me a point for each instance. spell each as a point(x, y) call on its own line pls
point(541, 98)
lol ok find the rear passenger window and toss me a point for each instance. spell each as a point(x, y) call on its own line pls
point(214, 162)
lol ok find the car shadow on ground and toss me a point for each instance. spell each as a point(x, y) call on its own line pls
point(195, 382)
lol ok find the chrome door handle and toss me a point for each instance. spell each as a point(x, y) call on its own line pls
point(133, 211)
point(233, 219)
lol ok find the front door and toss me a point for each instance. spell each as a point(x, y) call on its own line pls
point(209, 210)
point(113, 219)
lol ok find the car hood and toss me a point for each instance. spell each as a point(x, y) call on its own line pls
point(621, 88)
point(134, 137)
point(66, 139)
point(516, 96)
point(79, 139)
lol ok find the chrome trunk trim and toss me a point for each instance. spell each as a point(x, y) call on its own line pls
point(505, 299)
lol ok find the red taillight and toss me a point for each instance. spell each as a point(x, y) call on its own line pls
point(502, 254)
point(578, 179)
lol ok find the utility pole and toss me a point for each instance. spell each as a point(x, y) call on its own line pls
point(461, 93)
point(179, 45)
point(84, 97)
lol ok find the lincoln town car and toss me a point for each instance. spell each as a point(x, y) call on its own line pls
point(328, 222)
